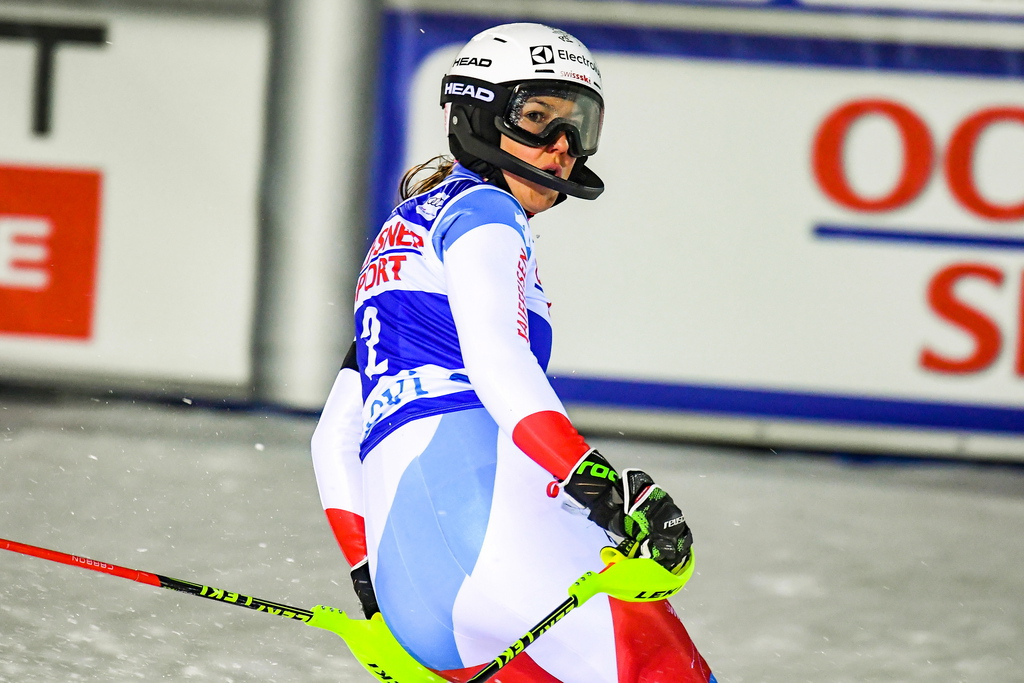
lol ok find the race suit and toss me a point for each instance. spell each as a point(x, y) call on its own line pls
point(438, 462)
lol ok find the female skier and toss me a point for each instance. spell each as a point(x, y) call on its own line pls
point(462, 496)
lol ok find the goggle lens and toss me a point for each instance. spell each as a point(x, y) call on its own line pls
point(540, 113)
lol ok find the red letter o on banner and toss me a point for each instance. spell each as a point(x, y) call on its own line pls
point(960, 164)
point(918, 154)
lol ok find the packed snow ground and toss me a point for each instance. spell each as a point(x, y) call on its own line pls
point(809, 569)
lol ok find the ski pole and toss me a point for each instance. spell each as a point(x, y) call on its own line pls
point(370, 640)
point(159, 581)
point(633, 580)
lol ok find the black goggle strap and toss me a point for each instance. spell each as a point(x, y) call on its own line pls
point(475, 92)
point(495, 98)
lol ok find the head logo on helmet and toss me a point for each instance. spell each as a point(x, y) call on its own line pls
point(468, 90)
point(473, 61)
point(501, 73)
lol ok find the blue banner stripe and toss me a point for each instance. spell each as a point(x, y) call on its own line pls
point(758, 403)
point(843, 232)
point(805, 8)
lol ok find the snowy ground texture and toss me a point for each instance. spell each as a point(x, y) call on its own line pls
point(809, 569)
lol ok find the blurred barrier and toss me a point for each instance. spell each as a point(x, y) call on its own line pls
point(130, 151)
point(314, 196)
point(814, 221)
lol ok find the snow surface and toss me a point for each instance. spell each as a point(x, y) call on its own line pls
point(809, 568)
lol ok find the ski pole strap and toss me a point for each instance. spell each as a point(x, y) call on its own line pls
point(374, 646)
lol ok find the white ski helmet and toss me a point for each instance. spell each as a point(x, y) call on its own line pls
point(531, 83)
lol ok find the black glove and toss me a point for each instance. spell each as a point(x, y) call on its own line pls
point(654, 521)
point(595, 485)
point(364, 588)
point(640, 510)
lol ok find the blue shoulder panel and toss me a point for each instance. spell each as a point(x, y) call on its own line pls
point(482, 205)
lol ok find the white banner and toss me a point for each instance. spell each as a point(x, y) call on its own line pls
point(793, 227)
point(709, 239)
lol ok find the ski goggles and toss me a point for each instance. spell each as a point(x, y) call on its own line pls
point(537, 113)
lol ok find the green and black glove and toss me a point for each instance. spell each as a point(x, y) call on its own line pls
point(632, 506)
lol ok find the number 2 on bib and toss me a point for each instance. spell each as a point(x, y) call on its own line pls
point(371, 332)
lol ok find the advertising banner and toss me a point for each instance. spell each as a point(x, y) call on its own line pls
point(130, 150)
point(796, 226)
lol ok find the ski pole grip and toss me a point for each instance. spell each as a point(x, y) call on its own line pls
point(622, 551)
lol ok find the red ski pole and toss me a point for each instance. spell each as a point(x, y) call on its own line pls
point(197, 589)
point(370, 640)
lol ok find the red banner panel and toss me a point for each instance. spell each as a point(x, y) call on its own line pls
point(49, 234)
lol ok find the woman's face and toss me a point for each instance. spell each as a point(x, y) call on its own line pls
point(553, 158)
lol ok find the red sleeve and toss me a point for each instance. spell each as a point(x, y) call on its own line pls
point(550, 439)
point(350, 530)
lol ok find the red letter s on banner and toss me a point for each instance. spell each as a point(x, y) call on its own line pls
point(987, 338)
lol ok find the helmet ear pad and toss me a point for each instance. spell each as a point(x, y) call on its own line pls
point(481, 122)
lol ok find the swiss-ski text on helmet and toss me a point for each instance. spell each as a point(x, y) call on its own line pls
point(579, 59)
point(467, 90)
point(473, 61)
point(578, 77)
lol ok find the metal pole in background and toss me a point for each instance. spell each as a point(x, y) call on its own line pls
point(319, 112)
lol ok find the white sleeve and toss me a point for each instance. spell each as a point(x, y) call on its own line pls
point(485, 271)
point(335, 450)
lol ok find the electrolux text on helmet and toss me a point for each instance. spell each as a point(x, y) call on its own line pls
point(579, 59)
point(467, 90)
